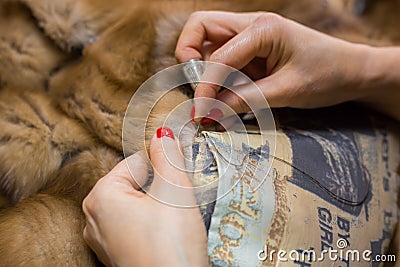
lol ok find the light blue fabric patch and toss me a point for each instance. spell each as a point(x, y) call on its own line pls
point(245, 204)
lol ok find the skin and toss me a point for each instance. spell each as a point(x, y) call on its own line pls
point(293, 65)
point(127, 227)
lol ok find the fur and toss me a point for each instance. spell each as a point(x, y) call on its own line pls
point(27, 56)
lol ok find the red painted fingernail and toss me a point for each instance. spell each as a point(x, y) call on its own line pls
point(193, 113)
point(214, 115)
point(207, 121)
point(165, 132)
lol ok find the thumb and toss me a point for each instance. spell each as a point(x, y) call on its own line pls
point(171, 184)
point(131, 172)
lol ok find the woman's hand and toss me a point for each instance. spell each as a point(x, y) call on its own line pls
point(126, 227)
point(294, 66)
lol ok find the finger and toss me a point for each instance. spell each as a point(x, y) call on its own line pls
point(237, 53)
point(120, 178)
point(272, 91)
point(208, 26)
point(132, 172)
point(171, 183)
point(167, 159)
point(218, 113)
point(250, 43)
point(227, 123)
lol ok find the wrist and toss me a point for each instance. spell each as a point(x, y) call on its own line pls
point(380, 79)
point(380, 69)
point(360, 76)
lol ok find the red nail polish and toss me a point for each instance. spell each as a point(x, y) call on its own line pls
point(214, 115)
point(207, 121)
point(193, 113)
point(165, 132)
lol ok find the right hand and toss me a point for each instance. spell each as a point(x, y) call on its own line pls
point(294, 66)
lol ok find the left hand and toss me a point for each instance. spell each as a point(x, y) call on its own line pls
point(126, 227)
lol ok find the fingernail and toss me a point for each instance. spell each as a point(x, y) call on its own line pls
point(165, 132)
point(192, 113)
point(214, 115)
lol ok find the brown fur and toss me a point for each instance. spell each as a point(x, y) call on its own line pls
point(45, 231)
point(61, 131)
point(27, 56)
point(36, 139)
point(73, 23)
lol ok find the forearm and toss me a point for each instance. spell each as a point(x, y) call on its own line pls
point(381, 80)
